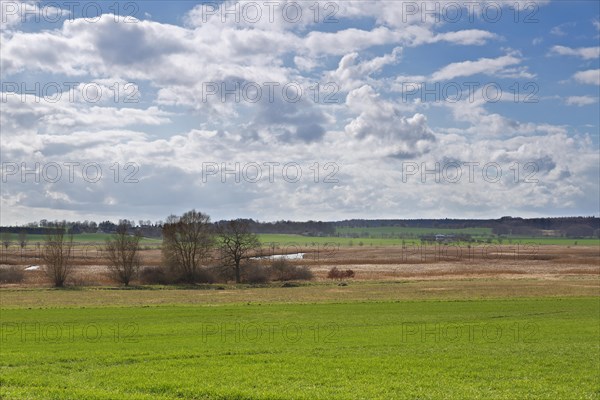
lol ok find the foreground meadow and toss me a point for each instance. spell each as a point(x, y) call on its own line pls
point(364, 341)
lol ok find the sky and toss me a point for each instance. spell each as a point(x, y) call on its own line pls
point(299, 110)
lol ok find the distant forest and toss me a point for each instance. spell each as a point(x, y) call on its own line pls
point(555, 226)
point(558, 226)
point(501, 226)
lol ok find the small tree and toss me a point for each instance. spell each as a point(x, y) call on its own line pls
point(123, 255)
point(22, 241)
point(58, 254)
point(7, 238)
point(237, 243)
point(187, 242)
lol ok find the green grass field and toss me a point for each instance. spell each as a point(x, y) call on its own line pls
point(318, 242)
point(300, 240)
point(379, 234)
point(310, 241)
point(409, 231)
point(88, 238)
point(542, 348)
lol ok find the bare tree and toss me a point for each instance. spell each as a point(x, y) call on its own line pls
point(7, 238)
point(237, 244)
point(22, 241)
point(58, 254)
point(187, 243)
point(123, 254)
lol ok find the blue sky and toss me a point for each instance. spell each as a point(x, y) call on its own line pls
point(116, 109)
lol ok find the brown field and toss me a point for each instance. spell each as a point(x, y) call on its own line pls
point(545, 263)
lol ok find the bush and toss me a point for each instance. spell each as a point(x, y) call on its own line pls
point(168, 276)
point(282, 270)
point(11, 275)
point(221, 273)
point(255, 273)
point(201, 275)
point(80, 279)
point(302, 273)
point(156, 276)
point(335, 273)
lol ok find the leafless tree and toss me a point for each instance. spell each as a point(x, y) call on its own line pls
point(122, 250)
point(187, 243)
point(58, 254)
point(237, 244)
point(7, 238)
point(22, 241)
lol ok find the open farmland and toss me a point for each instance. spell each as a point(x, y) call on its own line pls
point(398, 262)
point(304, 200)
point(266, 348)
point(416, 322)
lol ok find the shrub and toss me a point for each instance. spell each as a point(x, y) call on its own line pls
point(255, 273)
point(81, 279)
point(303, 273)
point(11, 275)
point(221, 273)
point(200, 275)
point(166, 276)
point(335, 273)
point(282, 270)
point(156, 276)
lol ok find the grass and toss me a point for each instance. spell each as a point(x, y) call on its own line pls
point(501, 349)
point(313, 292)
point(380, 231)
point(555, 241)
point(88, 238)
point(290, 242)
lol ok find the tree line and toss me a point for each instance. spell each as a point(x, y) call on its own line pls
point(151, 229)
point(455, 223)
point(190, 243)
point(565, 226)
